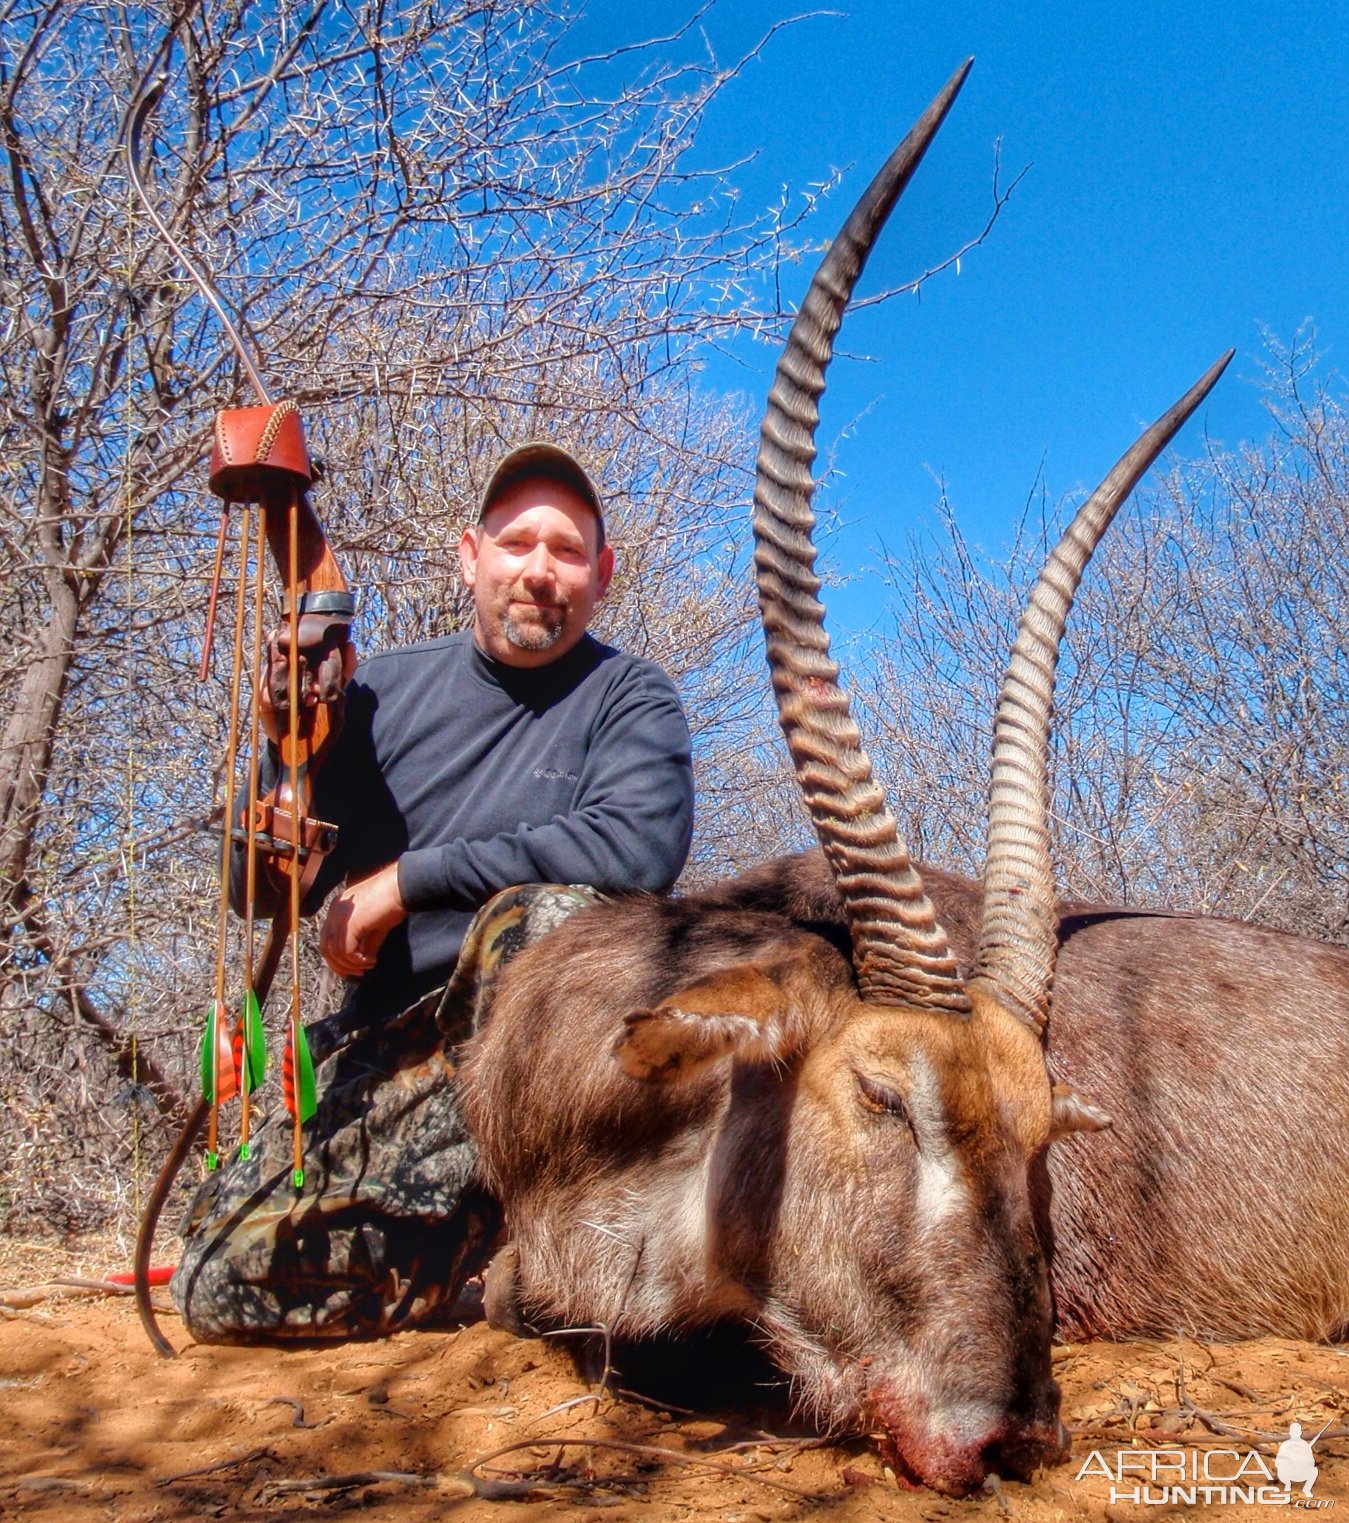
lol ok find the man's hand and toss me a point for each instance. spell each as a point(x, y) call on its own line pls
point(358, 920)
point(326, 665)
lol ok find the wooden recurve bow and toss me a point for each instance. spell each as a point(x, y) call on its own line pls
point(259, 461)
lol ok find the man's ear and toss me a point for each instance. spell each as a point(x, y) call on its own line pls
point(606, 568)
point(468, 555)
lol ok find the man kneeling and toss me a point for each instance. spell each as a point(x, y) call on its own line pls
point(522, 751)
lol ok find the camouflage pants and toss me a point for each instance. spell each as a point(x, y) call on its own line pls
point(392, 1218)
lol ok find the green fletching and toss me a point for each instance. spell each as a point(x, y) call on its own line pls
point(255, 1043)
point(306, 1093)
point(208, 1039)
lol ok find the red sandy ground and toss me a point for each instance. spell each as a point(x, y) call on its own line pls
point(95, 1426)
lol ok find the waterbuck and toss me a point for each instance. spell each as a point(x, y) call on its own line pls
point(821, 1097)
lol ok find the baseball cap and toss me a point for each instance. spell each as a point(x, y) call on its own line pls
point(551, 461)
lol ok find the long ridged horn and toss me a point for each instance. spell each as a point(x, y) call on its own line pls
point(1018, 940)
point(900, 953)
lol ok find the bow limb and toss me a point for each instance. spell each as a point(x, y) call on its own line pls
point(141, 108)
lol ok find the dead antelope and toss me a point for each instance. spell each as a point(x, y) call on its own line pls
point(819, 1098)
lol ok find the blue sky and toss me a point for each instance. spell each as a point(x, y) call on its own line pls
point(1188, 188)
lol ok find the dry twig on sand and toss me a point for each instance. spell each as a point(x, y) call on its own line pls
point(526, 1485)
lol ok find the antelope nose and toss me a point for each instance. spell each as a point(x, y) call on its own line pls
point(1025, 1447)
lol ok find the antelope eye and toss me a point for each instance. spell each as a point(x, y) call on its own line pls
point(881, 1098)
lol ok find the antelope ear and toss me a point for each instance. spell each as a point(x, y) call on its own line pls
point(1071, 1112)
point(736, 1011)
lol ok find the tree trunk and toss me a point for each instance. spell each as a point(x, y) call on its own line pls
point(26, 748)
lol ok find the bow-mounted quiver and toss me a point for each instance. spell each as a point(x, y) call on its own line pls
point(259, 460)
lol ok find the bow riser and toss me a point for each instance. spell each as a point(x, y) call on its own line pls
point(259, 456)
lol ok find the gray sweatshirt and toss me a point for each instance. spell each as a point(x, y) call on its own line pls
point(476, 776)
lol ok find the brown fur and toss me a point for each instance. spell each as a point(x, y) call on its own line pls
point(1215, 1203)
point(690, 1115)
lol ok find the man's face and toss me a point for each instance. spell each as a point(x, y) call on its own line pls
point(535, 572)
